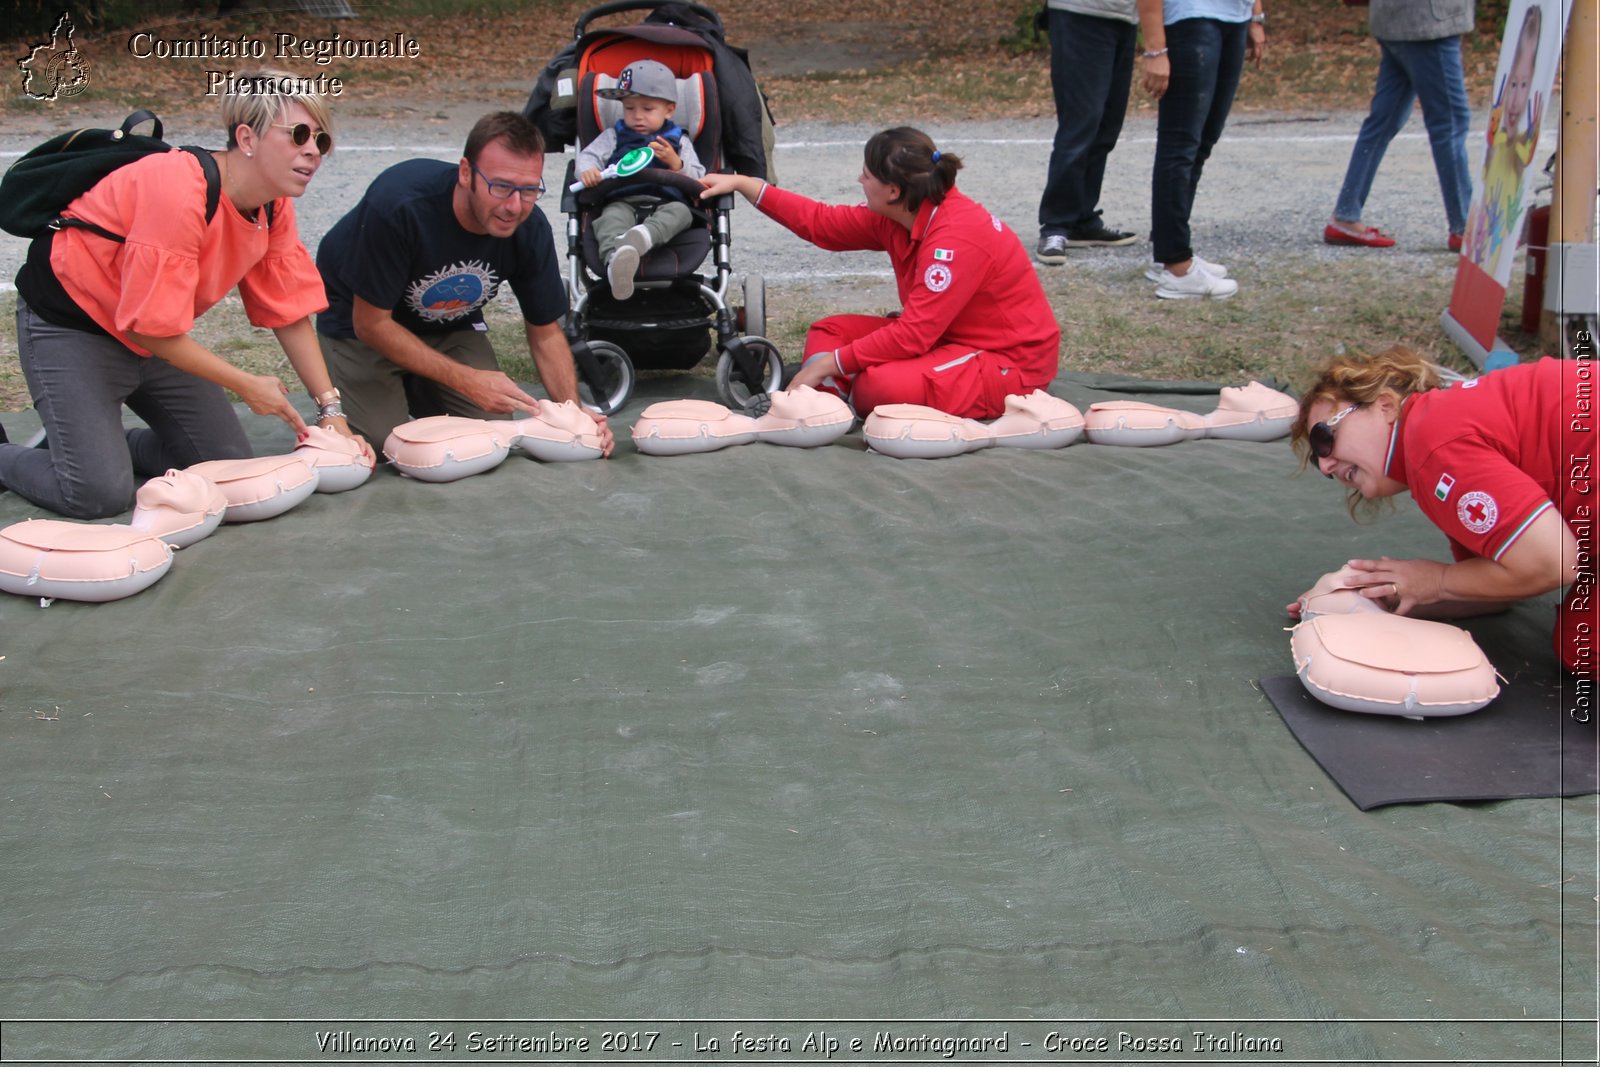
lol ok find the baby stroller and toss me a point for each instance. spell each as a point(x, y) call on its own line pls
point(669, 322)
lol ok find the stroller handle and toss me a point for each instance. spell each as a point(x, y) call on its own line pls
point(615, 6)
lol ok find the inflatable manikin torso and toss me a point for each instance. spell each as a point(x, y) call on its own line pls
point(1244, 413)
point(1136, 424)
point(342, 463)
point(1252, 413)
point(259, 488)
point(443, 448)
point(798, 418)
point(53, 558)
point(1351, 653)
point(911, 431)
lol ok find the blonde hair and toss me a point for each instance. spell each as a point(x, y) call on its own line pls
point(257, 98)
point(1397, 372)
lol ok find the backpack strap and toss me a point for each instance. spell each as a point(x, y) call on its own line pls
point(156, 131)
point(208, 167)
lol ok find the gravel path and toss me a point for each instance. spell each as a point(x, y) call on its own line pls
point(1266, 193)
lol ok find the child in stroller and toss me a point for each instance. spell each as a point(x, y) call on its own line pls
point(678, 311)
point(631, 224)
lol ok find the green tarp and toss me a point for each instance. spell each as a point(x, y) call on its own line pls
point(751, 740)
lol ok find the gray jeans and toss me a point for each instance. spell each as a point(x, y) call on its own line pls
point(79, 382)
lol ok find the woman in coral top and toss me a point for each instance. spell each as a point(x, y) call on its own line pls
point(975, 326)
point(102, 323)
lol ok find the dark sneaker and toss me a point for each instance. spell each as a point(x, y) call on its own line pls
point(1098, 234)
point(1052, 249)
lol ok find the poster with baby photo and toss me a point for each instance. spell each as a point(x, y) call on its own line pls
point(1506, 157)
point(1529, 57)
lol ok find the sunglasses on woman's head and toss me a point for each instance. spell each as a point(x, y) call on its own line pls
point(1321, 435)
point(300, 133)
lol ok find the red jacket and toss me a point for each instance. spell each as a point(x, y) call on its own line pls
point(964, 279)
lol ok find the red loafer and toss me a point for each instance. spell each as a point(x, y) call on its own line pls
point(1455, 242)
point(1372, 237)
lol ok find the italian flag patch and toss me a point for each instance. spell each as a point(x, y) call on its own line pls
point(1442, 490)
point(943, 255)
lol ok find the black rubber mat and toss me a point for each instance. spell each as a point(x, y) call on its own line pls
point(1526, 743)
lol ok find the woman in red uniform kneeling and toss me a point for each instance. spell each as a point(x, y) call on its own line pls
point(974, 327)
point(1499, 464)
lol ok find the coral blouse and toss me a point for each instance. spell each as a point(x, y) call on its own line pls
point(174, 266)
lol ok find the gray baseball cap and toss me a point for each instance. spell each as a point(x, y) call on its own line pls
point(644, 77)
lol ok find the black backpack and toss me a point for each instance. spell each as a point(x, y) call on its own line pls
point(37, 188)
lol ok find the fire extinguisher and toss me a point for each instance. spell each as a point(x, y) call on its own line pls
point(1533, 273)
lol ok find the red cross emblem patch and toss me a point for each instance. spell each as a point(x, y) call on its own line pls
point(1477, 511)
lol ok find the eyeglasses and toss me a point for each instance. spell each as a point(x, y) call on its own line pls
point(1321, 435)
point(502, 190)
point(300, 133)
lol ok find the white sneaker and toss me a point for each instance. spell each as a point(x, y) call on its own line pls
point(1195, 285)
point(1216, 270)
point(624, 262)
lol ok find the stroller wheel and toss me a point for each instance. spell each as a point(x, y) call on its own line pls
point(605, 375)
point(747, 370)
point(753, 316)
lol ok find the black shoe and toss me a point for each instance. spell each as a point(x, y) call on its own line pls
point(1098, 234)
point(789, 371)
point(4, 440)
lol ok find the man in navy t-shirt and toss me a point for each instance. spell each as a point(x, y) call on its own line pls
point(409, 269)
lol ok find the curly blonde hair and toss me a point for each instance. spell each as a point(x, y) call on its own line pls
point(1397, 372)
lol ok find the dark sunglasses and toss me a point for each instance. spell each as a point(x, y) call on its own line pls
point(1321, 435)
point(502, 190)
point(300, 133)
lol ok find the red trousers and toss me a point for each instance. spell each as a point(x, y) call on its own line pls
point(951, 378)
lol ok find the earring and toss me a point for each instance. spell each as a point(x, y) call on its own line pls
point(249, 154)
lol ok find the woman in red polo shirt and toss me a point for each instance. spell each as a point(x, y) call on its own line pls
point(975, 325)
point(1500, 464)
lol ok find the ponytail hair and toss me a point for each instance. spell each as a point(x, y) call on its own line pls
point(907, 158)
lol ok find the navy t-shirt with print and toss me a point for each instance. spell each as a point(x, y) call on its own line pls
point(401, 248)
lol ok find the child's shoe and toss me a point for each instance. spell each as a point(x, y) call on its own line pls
point(624, 262)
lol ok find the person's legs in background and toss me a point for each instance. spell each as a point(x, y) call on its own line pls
point(1436, 72)
point(1392, 98)
point(1188, 124)
point(1091, 69)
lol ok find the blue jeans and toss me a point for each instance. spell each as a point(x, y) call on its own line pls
point(1091, 69)
point(1412, 70)
point(79, 383)
point(1207, 56)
